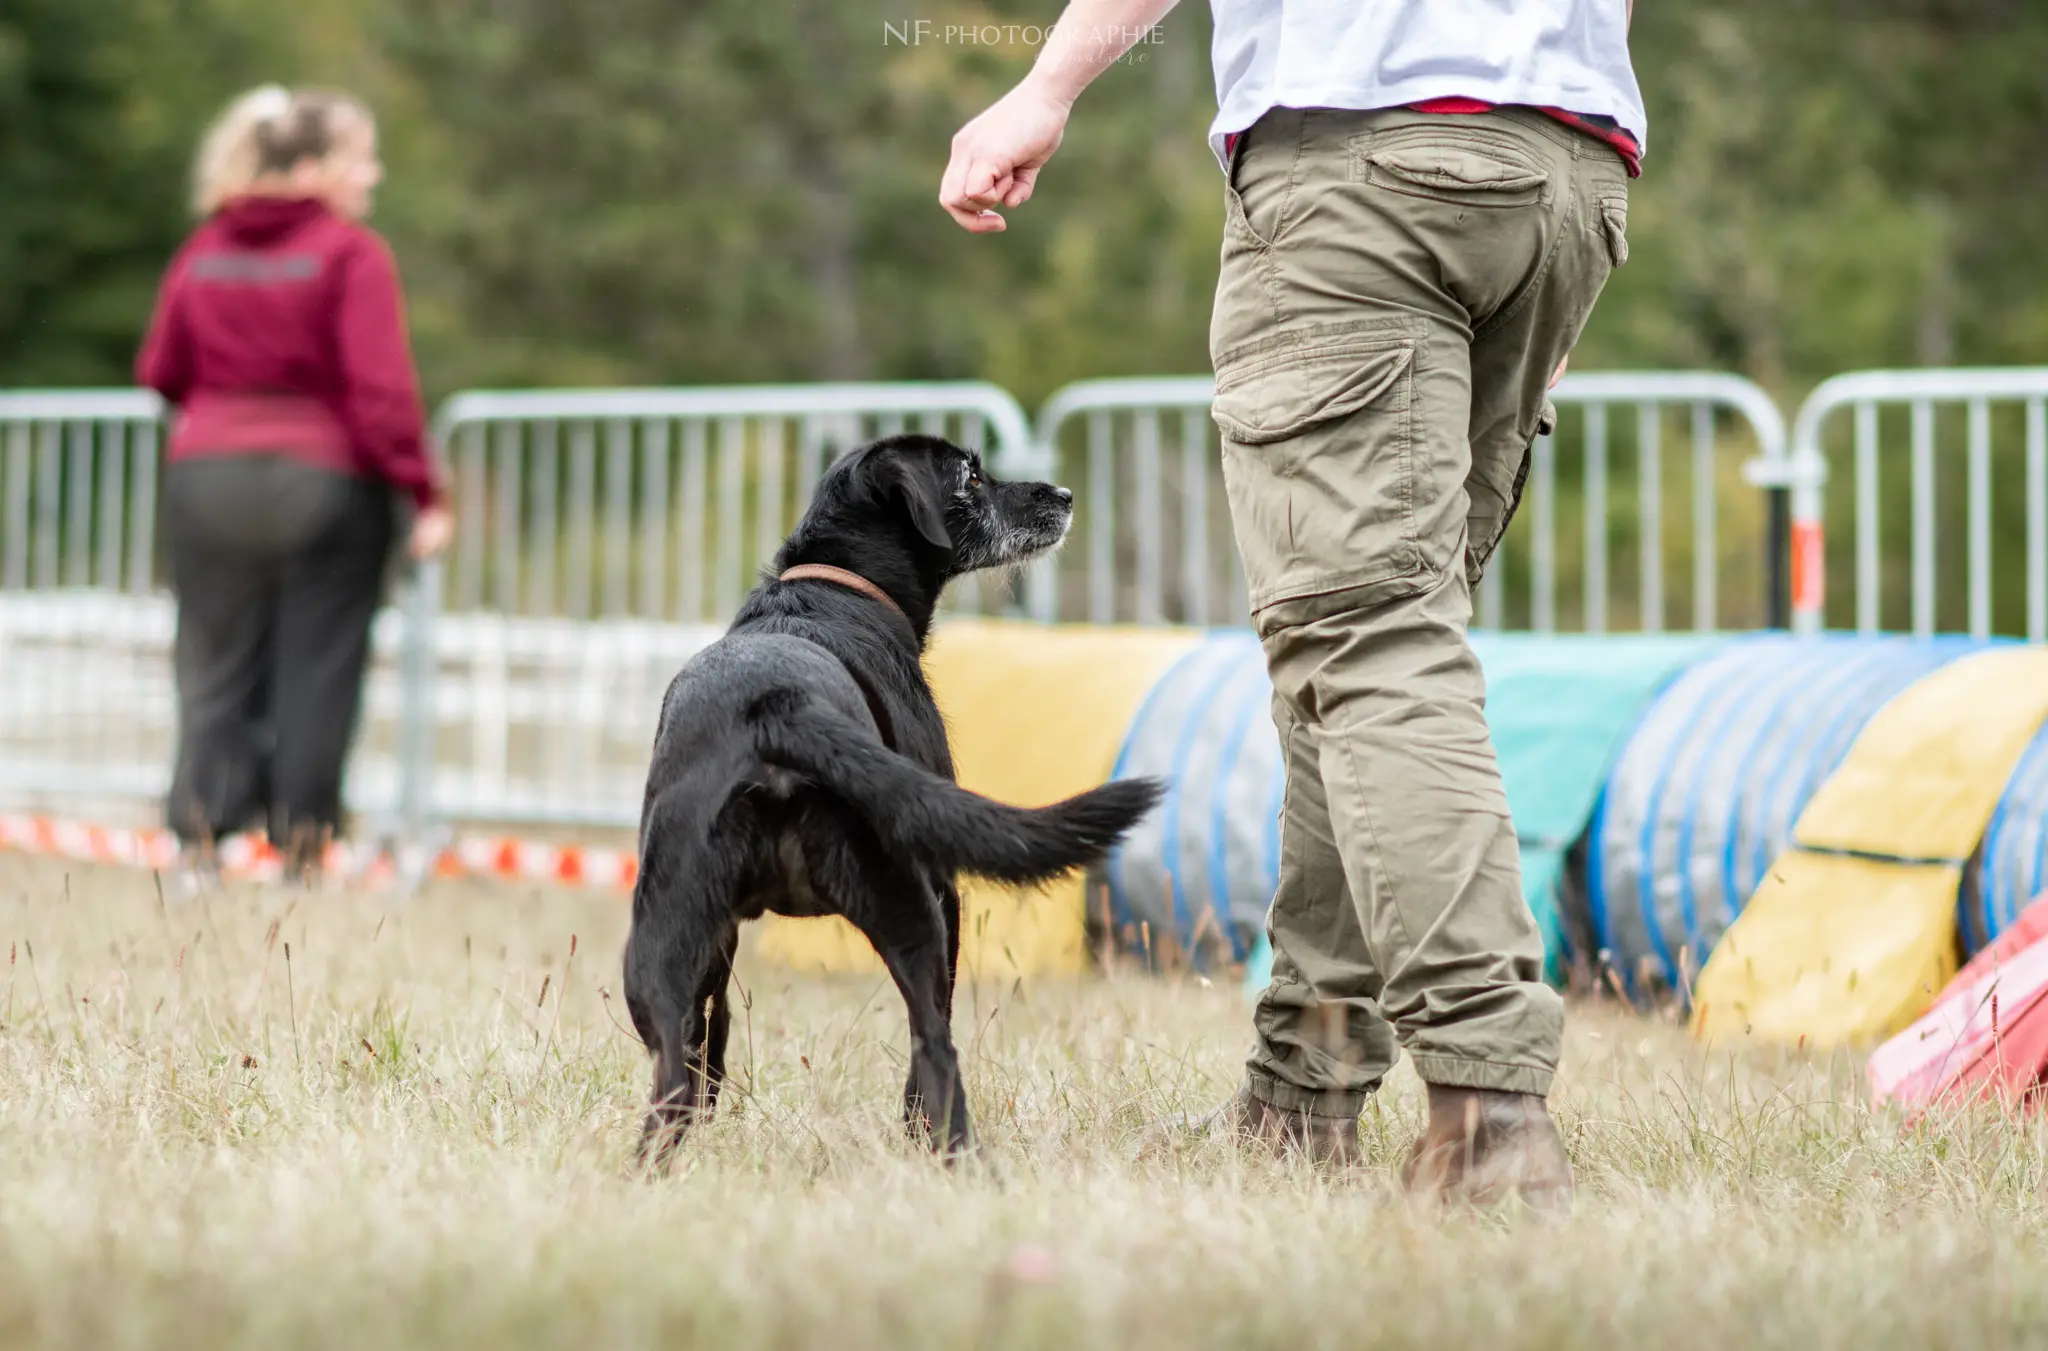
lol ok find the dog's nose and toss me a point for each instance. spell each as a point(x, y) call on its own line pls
point(1065, 495)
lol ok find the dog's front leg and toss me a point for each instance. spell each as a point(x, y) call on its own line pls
point(949, 914)
point(913, 942)
point(917, 1117)
point(934, 1104)
point(935, 1098)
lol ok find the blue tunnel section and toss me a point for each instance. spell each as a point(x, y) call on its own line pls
point(2012, 866)
point(1652, 780)
point(1710, 782)
point(1202, 867)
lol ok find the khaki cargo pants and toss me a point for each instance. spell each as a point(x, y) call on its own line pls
point(1397, 289)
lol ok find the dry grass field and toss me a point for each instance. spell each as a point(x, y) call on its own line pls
point(415, 1130)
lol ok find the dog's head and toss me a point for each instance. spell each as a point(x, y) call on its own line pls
point(910, 513)
point(944, 505)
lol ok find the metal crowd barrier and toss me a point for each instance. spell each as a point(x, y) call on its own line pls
point(607, 534)
point(87, 710)
point(1155, 532)
point(78, 472)
point(1994, 501)
point(85, 681)
point(664, 503)
point(1131, 490)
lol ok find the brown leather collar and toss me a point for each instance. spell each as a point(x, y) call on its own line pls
point(852, 581)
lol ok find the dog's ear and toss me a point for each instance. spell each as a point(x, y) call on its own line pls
point(915, 478)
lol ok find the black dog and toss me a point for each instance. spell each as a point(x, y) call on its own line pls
point(801, 766)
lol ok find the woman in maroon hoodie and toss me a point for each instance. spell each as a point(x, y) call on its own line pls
point(279, 335)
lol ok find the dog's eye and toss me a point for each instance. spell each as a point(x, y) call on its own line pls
point(974, 478)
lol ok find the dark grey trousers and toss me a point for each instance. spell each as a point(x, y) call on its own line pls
point(278, 567)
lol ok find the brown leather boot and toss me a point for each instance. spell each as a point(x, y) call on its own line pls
point(1483, 1147)
point(1326, 1141)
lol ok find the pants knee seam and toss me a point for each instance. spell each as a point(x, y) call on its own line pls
point(1389, 879)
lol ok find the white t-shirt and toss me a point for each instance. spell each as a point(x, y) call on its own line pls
point(1568, 54)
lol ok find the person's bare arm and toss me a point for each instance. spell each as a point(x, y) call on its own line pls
point(997, 156)
point(1630, 17)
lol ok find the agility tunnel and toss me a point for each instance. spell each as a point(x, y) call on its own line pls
point(1197, 873)
point(1855, 928)
point(1035, 713)
point(2012, 865)
point(1203, 866)
point(1704, 794)
point(1657, 783)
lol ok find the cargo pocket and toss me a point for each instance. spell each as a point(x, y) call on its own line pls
point(1237, 212)
point(1468, 166)
point(1318, 458)
point(1614, 229)
point(1287, 398)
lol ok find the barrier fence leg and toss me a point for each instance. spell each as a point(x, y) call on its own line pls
point(1778, 561)
point(418, 718)
point(1808, 545)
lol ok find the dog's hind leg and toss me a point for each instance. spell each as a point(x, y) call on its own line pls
point(949, 912)
point(717, 1003)
point(689, 1046)
point(678, 962)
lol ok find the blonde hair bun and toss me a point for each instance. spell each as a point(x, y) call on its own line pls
point(266, 130)
point(267, 103)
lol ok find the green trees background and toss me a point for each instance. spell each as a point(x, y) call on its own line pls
point(592, 191)
point(689, 191)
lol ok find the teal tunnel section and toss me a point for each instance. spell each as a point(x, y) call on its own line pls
point(1203, 867)
point(1652, 780)
point(1560, 708)
point(1706, 791)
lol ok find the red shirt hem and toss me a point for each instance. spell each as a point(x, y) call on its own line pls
point(1623, 143)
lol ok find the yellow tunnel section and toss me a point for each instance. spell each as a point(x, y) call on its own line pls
point(1036, 713)
point(1852, 933)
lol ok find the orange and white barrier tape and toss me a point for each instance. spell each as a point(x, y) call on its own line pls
point(87, 843)
point(251, 858)
point(572, 865)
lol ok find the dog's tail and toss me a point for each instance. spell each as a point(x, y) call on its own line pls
point(929, 817)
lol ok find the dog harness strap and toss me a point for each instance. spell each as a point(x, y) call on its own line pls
point(853, 581)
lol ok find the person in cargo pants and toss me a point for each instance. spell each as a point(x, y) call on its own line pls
point(279, 335)
point(1423, 199)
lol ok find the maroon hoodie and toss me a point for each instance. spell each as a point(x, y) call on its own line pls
point(280, 327)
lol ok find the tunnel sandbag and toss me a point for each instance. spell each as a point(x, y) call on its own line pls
point(2012, 864)
point(1036, 713)
point(1832, 950)
point(1704, 794)
point(1852, 933)
point(1201, 871)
